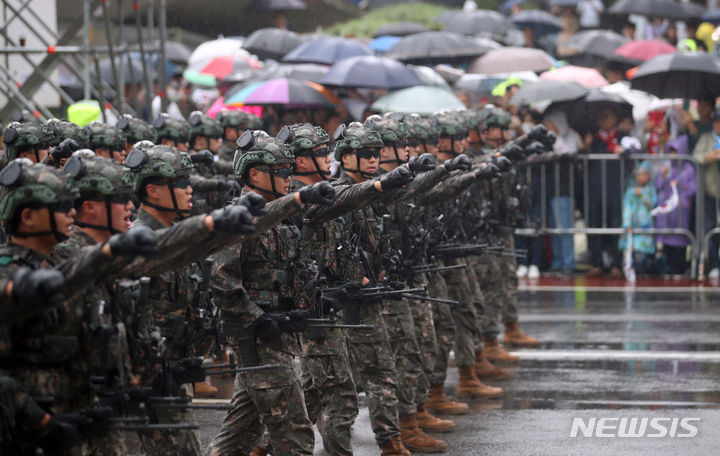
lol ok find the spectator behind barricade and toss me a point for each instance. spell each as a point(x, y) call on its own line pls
point(590, 11)
point(568, 18)
point(680, 173)
point(640, 198)
point(656, 132)
point(567, 145)
point(707, 153)
point(696, 128)
point(605, 140)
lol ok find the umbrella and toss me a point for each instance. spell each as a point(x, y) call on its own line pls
point(224, 66)
point(326, 51)
point(302, 71)
point(370, 72)
point(693, 10)
point(562, 3)
point(680, 75)
point(484, 84)
point(541, 22)
point(291, 93)
point(176, 52)
point(420, 100)
point(400, 29)
point(582, 113)
point(382, 44)
point(651, 8)
point(215, 48)
point(436, 47)
point(712, 16)
point(642, 102)
point(543, 91)
point(509, 59)
point(507, 5)
point(278, 5)
point(642, 50)
point(130, 76)
point(272, 43)
point(448, 17)
point(600, 43)
point(482, 22)
point(587, 77)
point(429, 77)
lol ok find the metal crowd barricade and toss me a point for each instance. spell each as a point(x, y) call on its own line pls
point(578, 168)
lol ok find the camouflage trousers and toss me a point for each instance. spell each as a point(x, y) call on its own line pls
point(497, 276)
point(464, 315)
point(408, 365)
point(112, 444)
point(373, 367)
point(269, 399)
point(330, 392)
point(427, 344)
point(185, 442)
point(444, 327)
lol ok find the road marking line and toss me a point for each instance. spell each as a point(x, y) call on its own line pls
point(621, 318)
point(589, 355)
point(617, 289)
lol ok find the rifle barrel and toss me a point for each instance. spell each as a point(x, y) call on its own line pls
point(430, 299)
point(156, 427)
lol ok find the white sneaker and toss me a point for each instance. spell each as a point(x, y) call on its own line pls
point(522, 271)
point(714, 274)
point(533, 272)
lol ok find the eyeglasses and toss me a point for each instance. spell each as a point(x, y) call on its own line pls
point(368, 153)
point(400, 143)
point(322, 152)
point(413, 142)
point(63, 206)
point(120, 199)
point(181, 182)
point(283, 173)
point(459, 137)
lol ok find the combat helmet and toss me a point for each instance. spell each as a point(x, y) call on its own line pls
point(104, 136)
point(495, 117)
point(302, 139)
point(171, 128)
point(135, 129)
point(203, 125)
point(149, 163)
point(238, 119)
point(22, 183)
point(19, 136)
point(63, 129)
point(255, 147)
point(94, 176)
point(450, 126)
point(354, 137)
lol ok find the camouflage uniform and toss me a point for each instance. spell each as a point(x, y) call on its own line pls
point(240, 120)
point(20, 416)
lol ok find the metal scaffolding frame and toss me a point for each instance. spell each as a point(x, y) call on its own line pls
point(82, 61)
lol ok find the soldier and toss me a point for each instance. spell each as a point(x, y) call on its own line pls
point(135, 130)
point(106, 141)
point(252, 283)
point(46, 349)
point(205, 133)
point(397, 314)
point(27, 140)
point(66, 139)
point(172, 132)
point(234, 123)
point(330, 392)
point(357, 147)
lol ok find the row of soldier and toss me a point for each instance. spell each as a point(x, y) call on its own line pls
point(136, 250)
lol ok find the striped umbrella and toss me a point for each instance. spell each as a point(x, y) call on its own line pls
point(291, 93)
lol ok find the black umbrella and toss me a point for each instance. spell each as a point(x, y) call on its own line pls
point(326, 51)
point(448, 17)
point(541, 22)
point(547, 90)
point(175, 52)
point(482, 22)
point(370, 72)
point(278, 5)
point(272, 43)
point(436, 47)
point(597, 43)
point(303, 71)
point(582, 113)
point(681, 75)
point(132, 75)
point(400, 29)
point(693, 10)
point(712, 16)
point(651, 8)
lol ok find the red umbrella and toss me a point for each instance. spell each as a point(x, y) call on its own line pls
point(643, 50)
point(586, 77)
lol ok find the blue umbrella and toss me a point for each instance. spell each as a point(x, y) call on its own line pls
point(541, 22)
point(382, 44)
point(326, 51)
point(370, 72)
point(712, 16)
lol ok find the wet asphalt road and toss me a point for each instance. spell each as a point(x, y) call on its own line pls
point(605, 354)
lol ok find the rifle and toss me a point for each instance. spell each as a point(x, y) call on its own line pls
point(452, 302)
point(434, 267)
point(350, 295)
point(457, 250)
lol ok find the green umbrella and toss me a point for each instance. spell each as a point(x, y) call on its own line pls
point(420, 100)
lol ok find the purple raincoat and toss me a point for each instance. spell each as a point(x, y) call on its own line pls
point(683, 172)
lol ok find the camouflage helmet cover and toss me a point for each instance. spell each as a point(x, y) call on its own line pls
point(104, 136)
point(303, 137)
point(202, 124)
point(63, 129)
point(171, 128)
point(147, 160)
point(255, 147)
point(353, 137)
point(21, 135)
point(136, 129)
point(98, 174)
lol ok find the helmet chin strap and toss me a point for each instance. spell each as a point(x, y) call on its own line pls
point(109, 227)
point(324, 175)
point(396, 159)
point(452, 149)
point(364, 174)
point(181, 213)
point(272, 192)
point(59, 237)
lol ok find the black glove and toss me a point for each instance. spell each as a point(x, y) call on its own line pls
point(294, 321)
point(139, 240)
point(235, 218)
point(501, 163)
point(398, 177)
point(62, 431)
point(254, 202)
point(37, 287)
point(424, 162)
point(202, 156)
point(537, 133)
point(488, 172)
point(64, 150)
point(535, 148)
point(549, 141)
point(320, 193)
point(513, 152)
point(461, 162)
point(230, 186)
point(267, 326)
